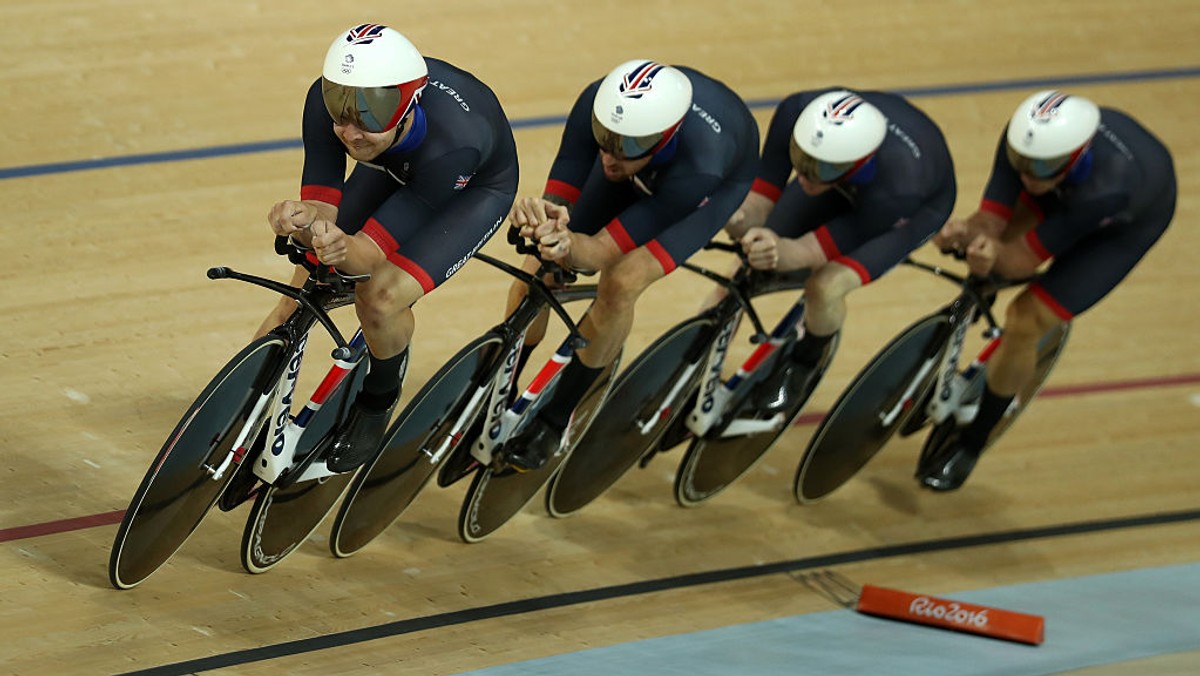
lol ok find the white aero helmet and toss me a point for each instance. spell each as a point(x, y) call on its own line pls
point(639, 107)
point(1049, 132)
point(836, 133)
point(373, 77)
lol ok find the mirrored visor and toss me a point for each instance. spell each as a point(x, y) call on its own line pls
point(627, 147)
point(817, 171)
point(1042, 169)
point(373, 109)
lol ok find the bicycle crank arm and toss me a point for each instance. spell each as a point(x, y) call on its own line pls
point(317, 470)
point(743, 427)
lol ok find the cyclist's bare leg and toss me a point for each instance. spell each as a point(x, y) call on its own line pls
point(384, 307)
point(383, 304)
point(610, 317)
point(1011, 367)
point(824, 313)
point(825, 298)
point(1026, 321)
point(606, 326)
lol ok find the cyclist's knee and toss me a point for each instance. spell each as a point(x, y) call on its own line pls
point(830, 284)
point(1027, 318)
point(621, 284)
point(385, 296)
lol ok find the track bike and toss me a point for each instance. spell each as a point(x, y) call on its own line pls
point(239, 440)
point(673, 391)
point(458, 423)
point(915, 381)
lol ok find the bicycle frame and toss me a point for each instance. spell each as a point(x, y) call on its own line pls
point(714, 399)
point(502, 418)
point(274, 406)
point(286, 429)
point(494, 394)
point(953, 387)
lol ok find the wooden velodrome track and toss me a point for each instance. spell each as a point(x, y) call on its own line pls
point(110, 330)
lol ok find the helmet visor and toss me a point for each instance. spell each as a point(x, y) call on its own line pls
point(373, 109)
point(629, 147)
point(817, 171)
point(1039, 169)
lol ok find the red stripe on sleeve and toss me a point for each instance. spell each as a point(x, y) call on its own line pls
point(766, 189)
point(827, 244)
point(564, 190)
point(620, 236)
point(321, 193)
point(664, 258)
point(992, 207)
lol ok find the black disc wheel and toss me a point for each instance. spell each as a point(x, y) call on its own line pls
point(381, 492)
point(629, 424)
point(854, 430)
point(179, 490)
point(712, 463)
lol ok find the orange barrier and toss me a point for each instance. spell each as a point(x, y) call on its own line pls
point(947, 614)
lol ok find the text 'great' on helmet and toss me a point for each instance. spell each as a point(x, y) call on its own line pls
point(836, 133)
point(639, 108)
point(373, 77)
point(1049, 132)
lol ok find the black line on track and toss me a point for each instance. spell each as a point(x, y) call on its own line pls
point(530, 605)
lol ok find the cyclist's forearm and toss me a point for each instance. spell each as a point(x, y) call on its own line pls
point(986, 223)
point(362, 255)
point(803, 252)
point(752, 214)
point(592, 252)
point(1015, 260)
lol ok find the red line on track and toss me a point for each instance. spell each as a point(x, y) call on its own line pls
point(110, 518)
point(61, 526)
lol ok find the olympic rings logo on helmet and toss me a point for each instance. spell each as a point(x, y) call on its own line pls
point(373, 78)
point(639, 107)
point(1049, 132)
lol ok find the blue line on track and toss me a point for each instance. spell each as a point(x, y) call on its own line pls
point(533, 122)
